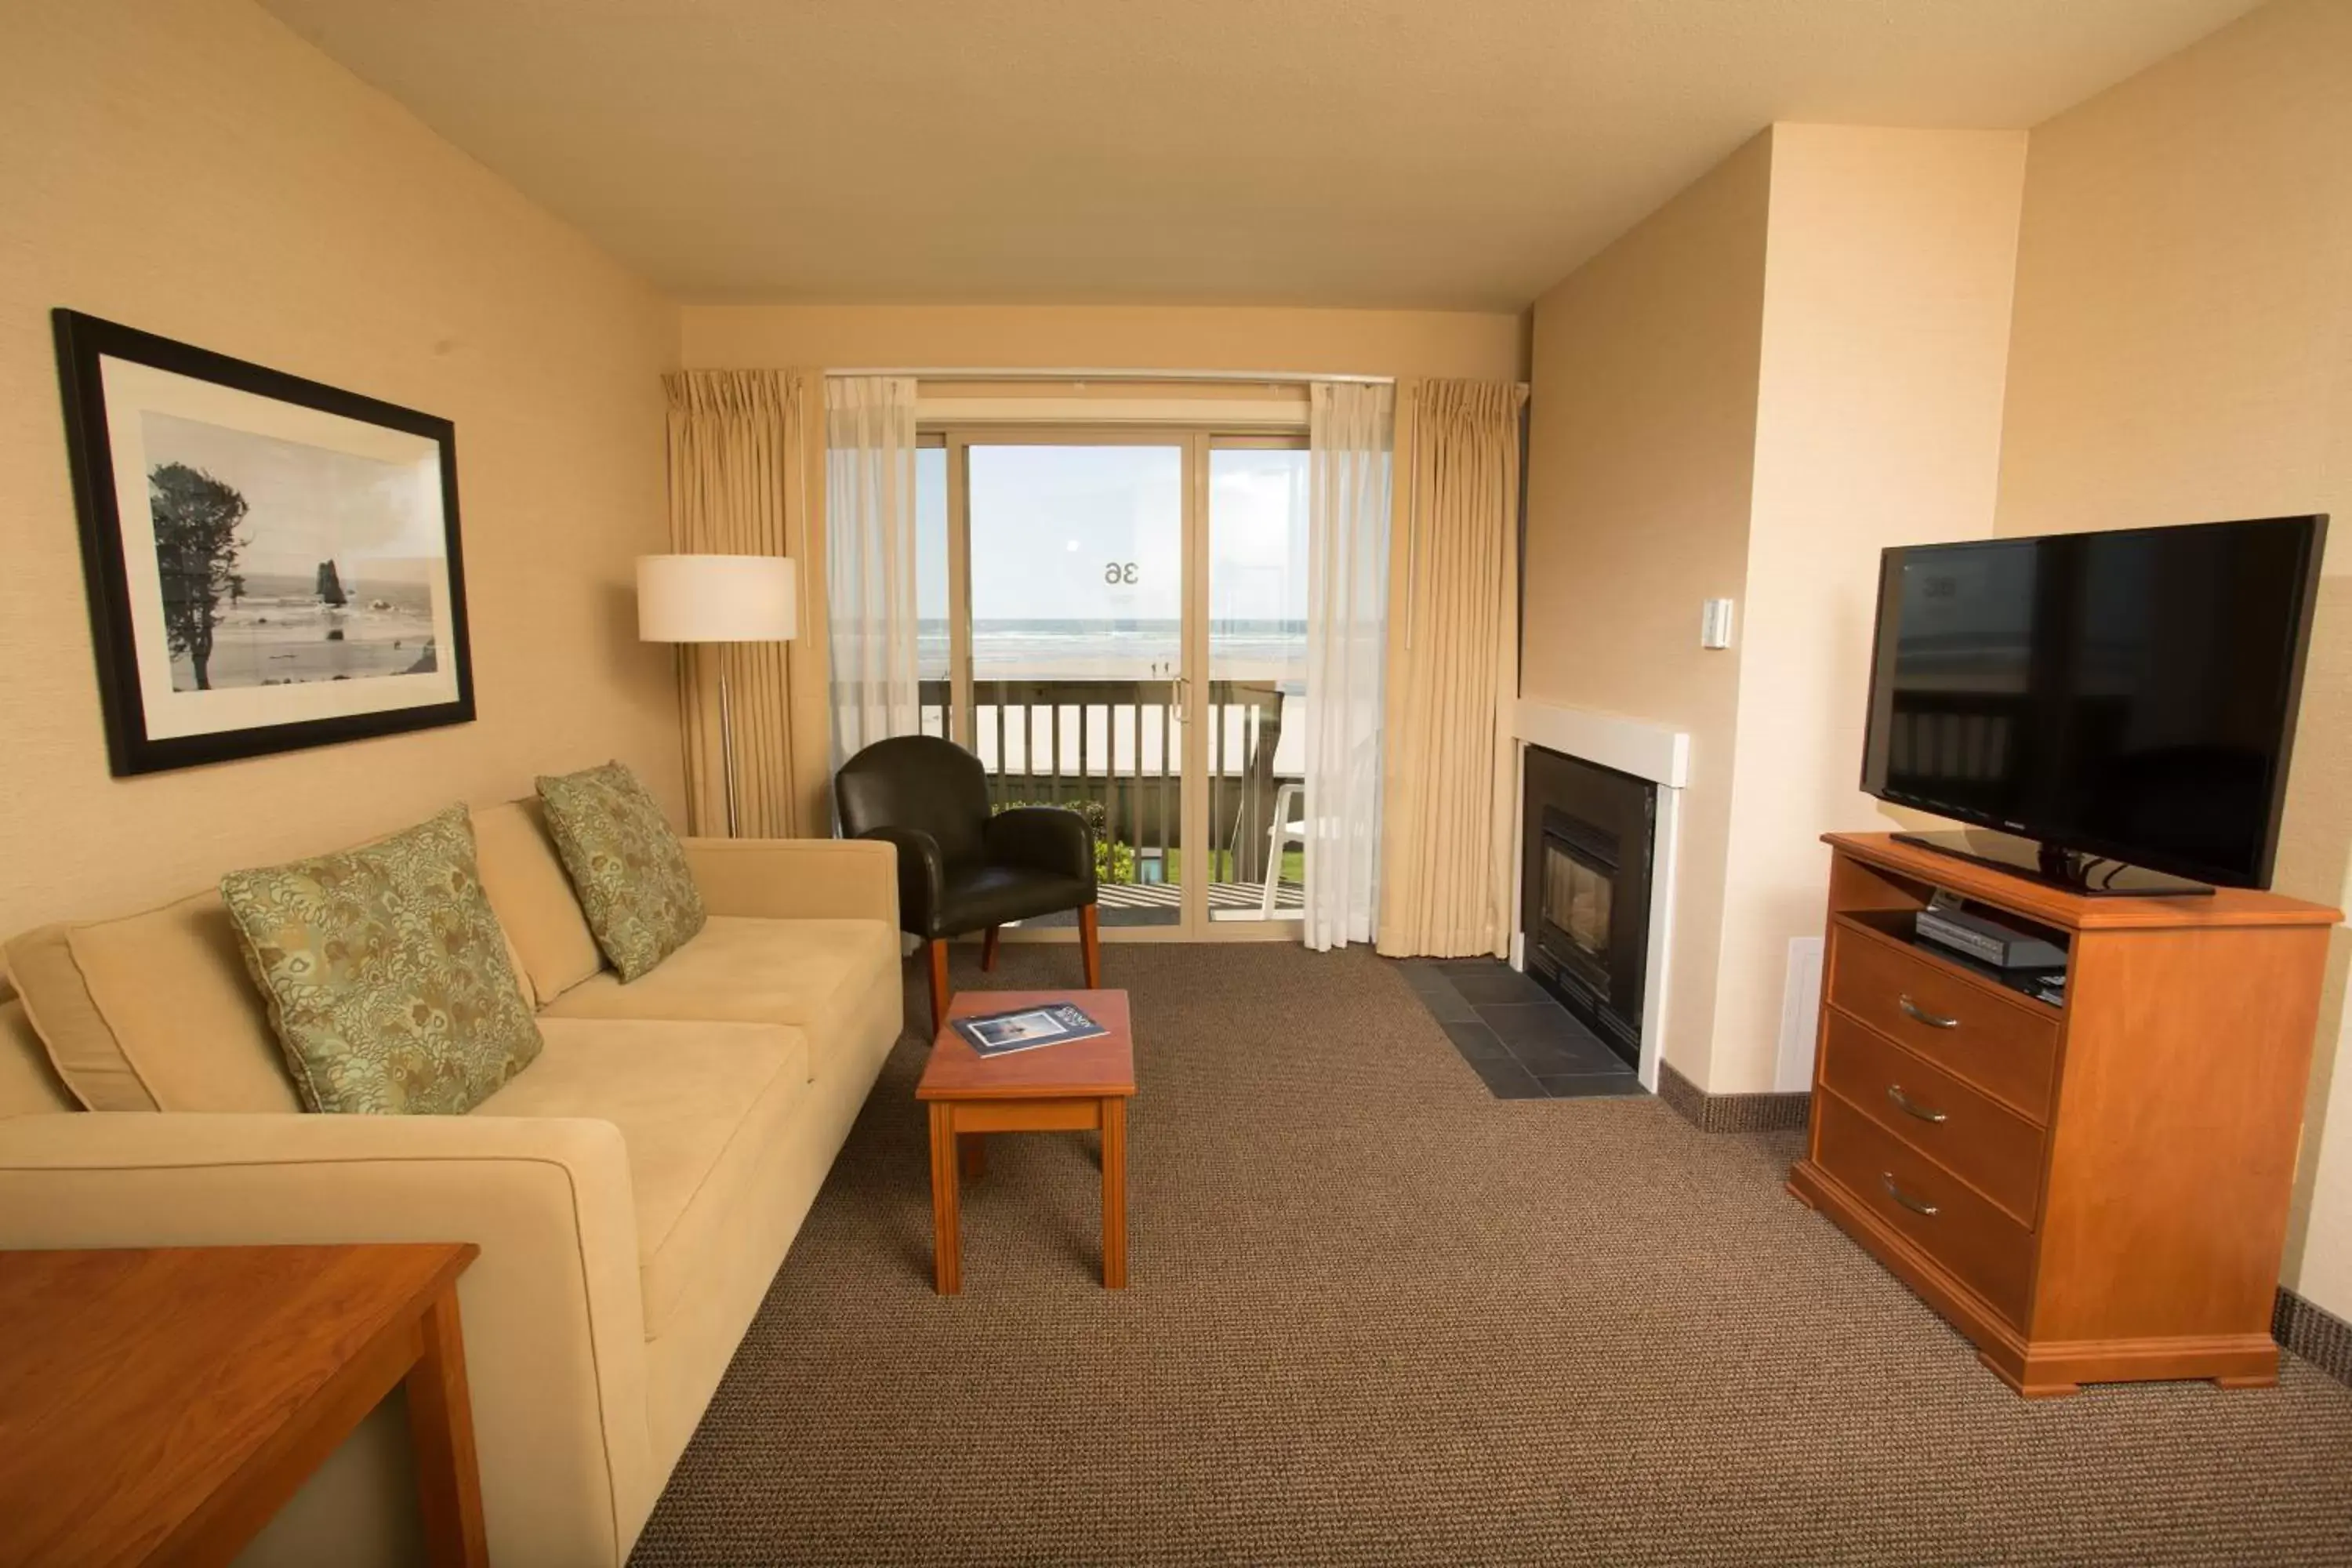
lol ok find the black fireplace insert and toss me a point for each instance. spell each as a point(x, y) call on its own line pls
point(1585, 890)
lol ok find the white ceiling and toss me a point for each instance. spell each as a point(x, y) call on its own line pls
point(1444, 153)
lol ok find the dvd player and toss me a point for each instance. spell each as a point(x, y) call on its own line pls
point(1987, 941)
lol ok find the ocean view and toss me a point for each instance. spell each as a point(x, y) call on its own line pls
point(1046, 649)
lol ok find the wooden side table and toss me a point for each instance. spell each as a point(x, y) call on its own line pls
point(160, 1405)
point(1054, 1089)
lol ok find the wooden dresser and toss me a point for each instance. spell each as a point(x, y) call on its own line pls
point(2091, 1192)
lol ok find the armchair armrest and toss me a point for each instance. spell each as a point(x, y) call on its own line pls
point(795, 878)
point(552, 1312)
point(922, 876)
point(1044, 838)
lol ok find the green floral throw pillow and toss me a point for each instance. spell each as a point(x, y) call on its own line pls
point(386, 973)
point(627, 864)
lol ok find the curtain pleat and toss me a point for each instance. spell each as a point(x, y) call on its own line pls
point(1348, 485)
point(746, 478)
point(870, 557)
point(1446, 856)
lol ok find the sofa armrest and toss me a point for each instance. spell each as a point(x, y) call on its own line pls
point(553, 1310)
point(796, 879)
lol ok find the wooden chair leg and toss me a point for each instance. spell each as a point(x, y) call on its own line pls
point(939, 966)
point(988, 949)
point(1090, 945)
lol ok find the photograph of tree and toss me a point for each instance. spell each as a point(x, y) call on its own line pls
point(273, 562)
point(283, 562)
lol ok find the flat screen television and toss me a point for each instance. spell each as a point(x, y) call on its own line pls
point(2125, 699)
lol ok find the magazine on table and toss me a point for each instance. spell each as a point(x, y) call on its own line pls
point(1026, 1028)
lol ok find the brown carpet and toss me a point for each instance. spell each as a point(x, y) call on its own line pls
point(1378, 1316)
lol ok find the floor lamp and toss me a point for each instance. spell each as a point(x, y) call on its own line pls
point(717, 599)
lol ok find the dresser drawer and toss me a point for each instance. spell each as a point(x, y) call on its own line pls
point(1989, 1252)
point(1995, 1150)
point(2000, 1046)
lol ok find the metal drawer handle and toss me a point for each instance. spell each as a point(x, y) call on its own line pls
point(1894, 1093)
point(1933, 1020)
point(1905, 1199)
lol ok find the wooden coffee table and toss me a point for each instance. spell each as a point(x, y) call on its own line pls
point(1052, 1088)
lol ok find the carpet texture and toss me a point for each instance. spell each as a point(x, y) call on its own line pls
point(1378, 1315)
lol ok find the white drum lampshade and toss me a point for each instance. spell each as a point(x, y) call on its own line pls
point(716, 598)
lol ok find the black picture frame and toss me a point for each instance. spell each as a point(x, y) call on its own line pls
point(83, 344)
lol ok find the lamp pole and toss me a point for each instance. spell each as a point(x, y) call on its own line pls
point(727, 743)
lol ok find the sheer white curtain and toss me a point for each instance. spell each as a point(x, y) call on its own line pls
point(869, 561)
point(1352, 429)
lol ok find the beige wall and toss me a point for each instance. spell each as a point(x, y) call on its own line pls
point(2183, 352)
point(1795, 364)
point(1486, 347)
point(1887, 278)
point(1641, 443)
point(189, 167)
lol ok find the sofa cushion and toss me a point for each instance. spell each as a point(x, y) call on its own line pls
point(29, 1085)
point(528, 886)
point(696, 1104)
point(153, 1012)
point(386, 973)
point(625, 863)
point(811, 974)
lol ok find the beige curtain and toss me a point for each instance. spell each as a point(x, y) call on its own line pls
point(1446, 839)
point(747, 478)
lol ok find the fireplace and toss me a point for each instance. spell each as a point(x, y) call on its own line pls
point(1585, 890)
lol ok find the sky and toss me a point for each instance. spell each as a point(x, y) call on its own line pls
point(1095, 532)
point(308, 504)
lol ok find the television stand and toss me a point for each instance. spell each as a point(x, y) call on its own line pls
point(2069, 870)
point(2093, 1189)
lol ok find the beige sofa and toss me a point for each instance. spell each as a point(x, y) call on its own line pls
point(633, 1191)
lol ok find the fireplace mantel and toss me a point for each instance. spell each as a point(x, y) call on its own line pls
point(1657, 753)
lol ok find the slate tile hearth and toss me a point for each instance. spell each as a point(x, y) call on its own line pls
point(1522, 1044)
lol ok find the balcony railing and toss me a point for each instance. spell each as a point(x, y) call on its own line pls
point(1114, 750)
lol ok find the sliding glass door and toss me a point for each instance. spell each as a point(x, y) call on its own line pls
point(1121, 630)
point(1076, 664)
point(1255, 596)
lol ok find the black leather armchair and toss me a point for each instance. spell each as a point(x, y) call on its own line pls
point(960, 869)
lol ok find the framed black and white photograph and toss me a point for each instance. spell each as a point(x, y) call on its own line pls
point(271, 563)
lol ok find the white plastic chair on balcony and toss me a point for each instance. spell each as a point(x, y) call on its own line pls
point(1279, 832)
